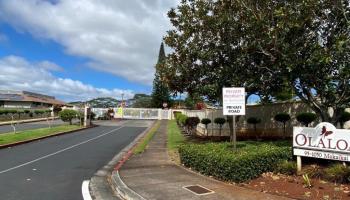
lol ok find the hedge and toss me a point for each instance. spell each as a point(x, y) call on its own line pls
point(219, 160)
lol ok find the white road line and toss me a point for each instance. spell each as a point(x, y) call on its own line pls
point(85, 190)
point(60, 151)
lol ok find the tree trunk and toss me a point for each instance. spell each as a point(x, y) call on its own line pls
point(256, 134)
point(206, 128)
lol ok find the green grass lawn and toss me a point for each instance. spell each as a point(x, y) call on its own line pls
point(144, 142)
point(8, 138)
point(175, 137)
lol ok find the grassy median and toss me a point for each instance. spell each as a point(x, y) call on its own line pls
point(144, 142)
point(175, 137)
point(20, 136)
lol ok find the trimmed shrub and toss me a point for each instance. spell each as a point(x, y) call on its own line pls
point(191, 123)
point(182, 119)
point(68, 115)
point(286, 167)
point(177, 115)
point(206, 121)
point(283, 118)
point(306, 118)
point(218, 159)
point(12, 111)
point(220, 121)
point(39, 112)
point(26, 111)
point(254, 121)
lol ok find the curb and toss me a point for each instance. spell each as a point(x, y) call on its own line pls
point(123, 190)
point(44, 137)
point(108, 172)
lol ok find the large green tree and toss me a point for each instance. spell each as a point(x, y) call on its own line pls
point(271, 47)
point(160, 93)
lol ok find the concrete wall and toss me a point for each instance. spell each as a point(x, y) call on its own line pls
point(268, 126)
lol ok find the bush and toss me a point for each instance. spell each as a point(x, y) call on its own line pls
point(191, 123)
point(12, 111)
point(182, 119)
point(313, 171)
point(306, 118)
point(68, 115)
point(254, 121)
point(26, 111)
point(220, 121)
point(283, 118)
point(176, 115)
point(39, 112)
point(337, 173)
point(206, 121)
point(286, 167)
point(219, 160)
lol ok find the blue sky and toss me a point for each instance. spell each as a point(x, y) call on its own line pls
point(34, 49)
point(78, 50)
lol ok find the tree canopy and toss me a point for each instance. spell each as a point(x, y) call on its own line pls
point(160, 93)
point(273, 48)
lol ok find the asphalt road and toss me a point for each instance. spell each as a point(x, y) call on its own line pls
point(31, 125)
point(55, 168)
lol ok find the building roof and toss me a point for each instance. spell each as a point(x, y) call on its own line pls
point(24, 96)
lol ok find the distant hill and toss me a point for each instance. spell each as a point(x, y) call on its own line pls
point(102, 102)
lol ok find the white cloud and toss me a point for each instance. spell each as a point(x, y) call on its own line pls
point(20, 74)
point(49, 66)
point(120, 37)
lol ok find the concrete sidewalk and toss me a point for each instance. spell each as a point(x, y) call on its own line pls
point(151, 175)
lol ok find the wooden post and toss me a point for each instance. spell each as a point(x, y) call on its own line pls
point(299, 163)
point(234, 133)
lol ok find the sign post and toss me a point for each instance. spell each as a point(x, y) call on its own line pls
point(324, 142)
point(233, 100)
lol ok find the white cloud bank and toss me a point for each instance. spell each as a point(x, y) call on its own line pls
point(20, 74)
point(120, 37)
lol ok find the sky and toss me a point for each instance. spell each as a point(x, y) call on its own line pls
point(81, 49)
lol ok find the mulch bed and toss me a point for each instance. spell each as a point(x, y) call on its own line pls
point(293, 187)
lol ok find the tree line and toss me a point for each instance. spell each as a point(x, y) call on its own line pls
point(275, 49)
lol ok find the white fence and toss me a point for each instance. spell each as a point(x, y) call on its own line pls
point(135, 113)
point(267, 127)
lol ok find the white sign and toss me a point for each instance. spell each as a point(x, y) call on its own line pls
point(233, 101)
point(324, 141)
